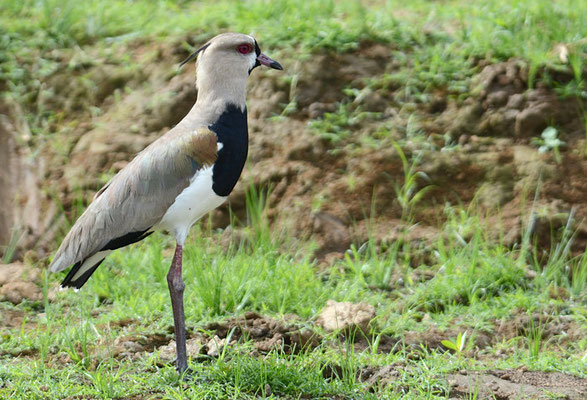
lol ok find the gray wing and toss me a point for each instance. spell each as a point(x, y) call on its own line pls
point(137, 197)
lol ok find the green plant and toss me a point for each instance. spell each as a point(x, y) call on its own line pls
point(458, 345)
point(549, 141)
point(10, 249)
point(409, 193)
point(534, 337)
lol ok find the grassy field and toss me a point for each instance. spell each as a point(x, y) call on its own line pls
point(67, 347)
point(461, 290)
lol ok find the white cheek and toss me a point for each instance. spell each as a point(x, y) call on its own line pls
point(252, 59)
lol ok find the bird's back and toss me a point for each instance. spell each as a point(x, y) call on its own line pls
point(136, 199)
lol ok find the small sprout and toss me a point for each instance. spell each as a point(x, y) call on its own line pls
point(549, 141)
point(458, 345)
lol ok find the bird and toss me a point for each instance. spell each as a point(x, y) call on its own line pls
point(177, 179)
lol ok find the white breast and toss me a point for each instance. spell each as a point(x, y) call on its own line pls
point(194, 202)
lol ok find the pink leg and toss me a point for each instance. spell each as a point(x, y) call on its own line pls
point(176, 288)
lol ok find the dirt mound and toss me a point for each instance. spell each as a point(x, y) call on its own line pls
point(501, 385)
point(346, 316)
point(543, 326)
point(341, 193)
point(133, 346)
point(502, 106)
point(516, 384)
point(551, 327)
point(266, 333)
point(25, 212)
point(18, 283)
point(321, 81)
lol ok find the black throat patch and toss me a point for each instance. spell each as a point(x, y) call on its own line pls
point(232, 131)
point(257, 52)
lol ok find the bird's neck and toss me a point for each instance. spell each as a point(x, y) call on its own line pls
point(228, 89)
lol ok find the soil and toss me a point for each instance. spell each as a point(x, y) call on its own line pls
point(322, 189)
point(346, 316)
point(266, 334)
point(18, 282)
point(492, 384)
point(517, 384)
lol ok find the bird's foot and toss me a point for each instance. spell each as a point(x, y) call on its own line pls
point(187, 375)
point(193, 378)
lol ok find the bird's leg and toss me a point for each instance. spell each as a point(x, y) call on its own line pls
point(176, 287)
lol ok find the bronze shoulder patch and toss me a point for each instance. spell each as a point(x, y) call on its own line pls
point(203, 147)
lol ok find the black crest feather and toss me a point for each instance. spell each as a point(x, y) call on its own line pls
point(194, 54)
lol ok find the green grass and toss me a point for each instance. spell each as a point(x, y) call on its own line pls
point(435, 46)
point(71, 340)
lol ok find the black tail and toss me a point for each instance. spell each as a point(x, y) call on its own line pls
point(80, 281)
point(114, 244)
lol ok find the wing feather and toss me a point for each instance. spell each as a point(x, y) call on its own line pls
point(138, 196)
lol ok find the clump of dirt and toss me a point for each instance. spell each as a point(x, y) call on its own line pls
point(266, 334)
point(11, 318)
point(18, 282)
point(373, 377)
point(25, 212)
point(346, 316)
point(494, 384)
point(542, 325)
point(510, 108)
point(549, 326)
point(432, 338)
point(133, 346)
point(321, 81)
point(516, 384)
point(502, 105)
point(194, 348)
point(379, 376)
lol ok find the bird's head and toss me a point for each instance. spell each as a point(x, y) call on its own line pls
point(227, 60)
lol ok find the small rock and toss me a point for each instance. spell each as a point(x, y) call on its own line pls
point(215, 346)
point(193, 347)
point(133, 347)
point(497, 99)
point(532, 121)
point(516, 101)
point(267, 390)
point(333, 234)
point(346, 316)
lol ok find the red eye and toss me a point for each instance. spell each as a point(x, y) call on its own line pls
point(244, 48)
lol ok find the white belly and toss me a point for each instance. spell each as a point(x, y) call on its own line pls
point(194, 202)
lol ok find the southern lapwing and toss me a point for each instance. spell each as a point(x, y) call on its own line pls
point(177, 179)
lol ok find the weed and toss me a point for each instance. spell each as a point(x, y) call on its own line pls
point(549, 141)
point(457, 345)
point(10, 249)
point(409, 194)
point(534, 337)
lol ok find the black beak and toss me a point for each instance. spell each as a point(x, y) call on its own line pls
point(268, 62)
